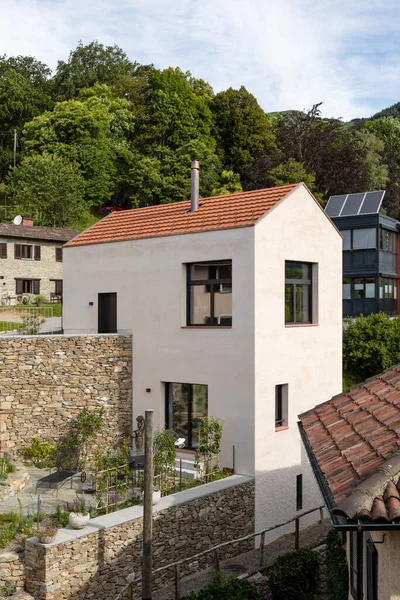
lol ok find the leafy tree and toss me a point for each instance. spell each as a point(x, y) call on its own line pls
point(88, 65)
point(91, 131)
point(243, 132)
point(291, 171)
point(229, 184)
point(371, 344)
point(174, 127)
point(337, 571)
point(49, 189)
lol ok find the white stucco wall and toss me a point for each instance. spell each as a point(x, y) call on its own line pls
point(149, 277)
point(388, 564)
point(307, 358)
point(241, 365)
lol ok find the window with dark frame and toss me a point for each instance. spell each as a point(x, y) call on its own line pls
point(59, 254)
point(387, 288)
point(27, 286)
point(209, 293)
point(27, 252)
point(372, 569)
point(186, 406)
point(388, 240)
point(299, 492)
point(359, 239)
point(298, 292)
point(281, 406)
point(3, 250)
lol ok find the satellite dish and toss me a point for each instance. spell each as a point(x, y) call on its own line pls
point(17, 220)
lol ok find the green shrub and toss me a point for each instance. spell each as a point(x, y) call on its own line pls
point(42, 454)
point(6, 467)
point(295, 576)
point(371, 345)
point(337, 578)
point(9, 589)
point(229, 588)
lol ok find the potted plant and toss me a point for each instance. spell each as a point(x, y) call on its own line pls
point(79, 515)
point(47, 533)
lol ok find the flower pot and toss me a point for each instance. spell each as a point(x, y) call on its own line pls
point(47, 539)
point(77, 520)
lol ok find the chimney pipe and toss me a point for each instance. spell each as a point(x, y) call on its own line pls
point(194, 196)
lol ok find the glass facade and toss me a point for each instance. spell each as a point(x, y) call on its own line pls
point(186, 408)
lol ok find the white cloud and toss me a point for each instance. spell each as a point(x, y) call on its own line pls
point(288, 53)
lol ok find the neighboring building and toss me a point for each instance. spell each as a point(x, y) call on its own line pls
point(31, 260)
point(234, 306)
point(353, 444)
point(371, 267)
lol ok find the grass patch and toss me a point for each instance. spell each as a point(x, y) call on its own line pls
point(41, 310)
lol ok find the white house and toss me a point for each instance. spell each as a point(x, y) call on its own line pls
point(234, 303)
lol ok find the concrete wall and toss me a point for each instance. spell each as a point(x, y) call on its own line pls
point(149, 277)
point(44, 381)
point(44, 269)
point(307, 357)
point(96, 561)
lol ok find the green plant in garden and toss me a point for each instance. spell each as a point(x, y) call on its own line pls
point(42, 454)
point(164, 459)
point(6, 466)
point(295, 576)
point(337, 576)
point(112, 478)
point(31, 325)
point(9, 589)
point(225, 588)
point(370, 345)
point(209, 446)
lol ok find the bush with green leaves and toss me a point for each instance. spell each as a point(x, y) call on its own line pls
point(337, 577)
point(225, 588)
point(371, 344)
point(295, 576)
point(42, 454)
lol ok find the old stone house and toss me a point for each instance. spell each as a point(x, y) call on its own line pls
point(31, 260)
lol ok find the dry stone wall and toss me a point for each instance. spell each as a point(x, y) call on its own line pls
point(45, 381)
point(97, 565)
point(12, 570)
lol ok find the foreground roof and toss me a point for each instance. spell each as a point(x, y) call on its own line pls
point(56, 234)
point(219, 212)
point(354, 440)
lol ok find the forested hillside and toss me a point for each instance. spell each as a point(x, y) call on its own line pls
point(105, 131)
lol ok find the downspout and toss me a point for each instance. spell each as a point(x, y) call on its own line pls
point(360, 563)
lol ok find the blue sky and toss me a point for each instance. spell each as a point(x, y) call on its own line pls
point(289, 53)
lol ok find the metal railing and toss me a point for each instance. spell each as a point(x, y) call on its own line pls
point(215, 549)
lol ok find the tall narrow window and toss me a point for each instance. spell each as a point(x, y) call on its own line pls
point(298, 292)
point(3, 250)
point(209, 293)
point(59, 254)
point(186, 408)
point(281, 406)
point(299, 492)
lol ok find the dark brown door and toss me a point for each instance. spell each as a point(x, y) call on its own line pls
point(107, 313)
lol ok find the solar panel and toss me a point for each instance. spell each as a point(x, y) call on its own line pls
point(335, 205)
point(372, 202)
point(364, 203)
point(352, 204)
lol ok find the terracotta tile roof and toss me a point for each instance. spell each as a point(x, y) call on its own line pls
point(219, 212)
point(56, 234)
point(355, 435)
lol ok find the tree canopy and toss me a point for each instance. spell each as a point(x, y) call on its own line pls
point(130, 132)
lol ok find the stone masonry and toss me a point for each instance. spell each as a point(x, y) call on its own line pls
point(97, 564)
point(45, 269)
point(12, 570)
point(45, 381)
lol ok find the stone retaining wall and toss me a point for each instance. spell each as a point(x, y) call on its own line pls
point(46, 380)
point(12, 570)
point(96, 562)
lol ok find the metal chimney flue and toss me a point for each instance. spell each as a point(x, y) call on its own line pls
point(194, 195)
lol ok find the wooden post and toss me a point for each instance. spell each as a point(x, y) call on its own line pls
point(262, 542)
point(177, 582)
point(297, 534)
point(216, 556)
point(130, 592)
point(321, 516)
point(147, 565)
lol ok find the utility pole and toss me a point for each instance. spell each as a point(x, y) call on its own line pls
point(15, 147)
point(147, 565)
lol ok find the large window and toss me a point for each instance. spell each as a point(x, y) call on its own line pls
point(387, 288)
point(27, 286)
point(209, 293)
point(26, 251)
point(358, 288)
point(388, 241)
point(359, 239)
point(298, 292)
point(186, 408)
